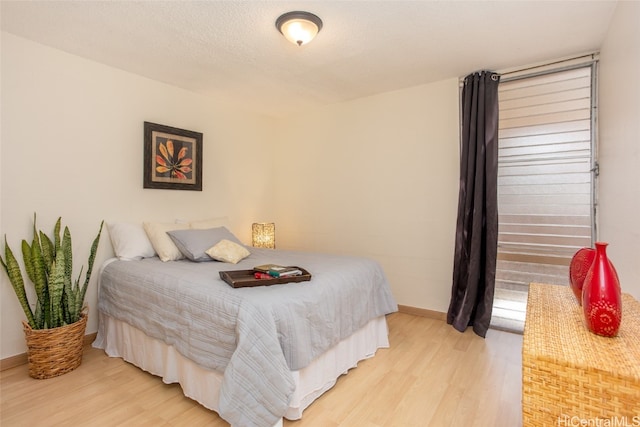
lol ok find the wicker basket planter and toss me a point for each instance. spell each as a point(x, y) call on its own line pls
point(60, 307)
point(56, 351)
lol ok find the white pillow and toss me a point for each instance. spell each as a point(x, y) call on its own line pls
point(221, 221)
point(228, 251)
point(160, 240)
point(129, 241)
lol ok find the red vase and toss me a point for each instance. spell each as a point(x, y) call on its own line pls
point(601, 295)
point(580, 264)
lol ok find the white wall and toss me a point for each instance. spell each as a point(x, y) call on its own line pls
point(72, 146)
point(377, 177)
point(619, 144)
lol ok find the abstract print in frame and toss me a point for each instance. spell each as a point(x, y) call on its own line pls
point(172, 158)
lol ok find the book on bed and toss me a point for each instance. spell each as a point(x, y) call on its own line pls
point(275, 270)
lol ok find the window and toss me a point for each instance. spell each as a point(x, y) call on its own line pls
point(546, 196)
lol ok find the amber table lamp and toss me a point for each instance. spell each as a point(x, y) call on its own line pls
point(263, 235)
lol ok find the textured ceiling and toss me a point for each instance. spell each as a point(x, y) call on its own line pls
point(231, 50)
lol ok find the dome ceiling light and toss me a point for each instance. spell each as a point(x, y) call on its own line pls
point(299, 27)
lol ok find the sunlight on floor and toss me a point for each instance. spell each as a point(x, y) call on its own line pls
point(509, 310)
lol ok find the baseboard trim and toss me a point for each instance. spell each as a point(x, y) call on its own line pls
point(422, 312)
point(13, 361)
point(21, 359)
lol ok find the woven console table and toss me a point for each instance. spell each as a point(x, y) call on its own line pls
point(571, 375)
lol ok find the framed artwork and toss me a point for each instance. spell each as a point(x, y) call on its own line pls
point(172, 158)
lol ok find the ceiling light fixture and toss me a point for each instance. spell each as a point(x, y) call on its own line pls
point(299, 27)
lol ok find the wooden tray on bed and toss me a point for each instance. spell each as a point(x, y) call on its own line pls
point(245, 278)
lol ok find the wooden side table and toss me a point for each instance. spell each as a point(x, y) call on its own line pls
point(571, 376)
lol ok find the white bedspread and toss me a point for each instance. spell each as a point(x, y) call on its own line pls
point(256, 336)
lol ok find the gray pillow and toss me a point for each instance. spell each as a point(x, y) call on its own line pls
point(193, 243)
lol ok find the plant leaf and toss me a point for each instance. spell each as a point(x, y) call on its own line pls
point(56, 235)
point(28, 260)
point(40, 279)
point(92, 257)
point(56, 288)
point(48, 250)
point(12, 268)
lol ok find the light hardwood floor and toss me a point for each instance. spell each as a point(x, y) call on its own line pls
point(431, 376)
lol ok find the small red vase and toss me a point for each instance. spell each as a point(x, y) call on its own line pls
point(580, 264)
point(601, 295)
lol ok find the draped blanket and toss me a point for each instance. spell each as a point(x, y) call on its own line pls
point(256, 336)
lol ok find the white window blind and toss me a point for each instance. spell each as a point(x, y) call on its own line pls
point(545, 200)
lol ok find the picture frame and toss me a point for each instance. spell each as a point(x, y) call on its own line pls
point(172, 158)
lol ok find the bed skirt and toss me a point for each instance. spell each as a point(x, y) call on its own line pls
point(119, 339)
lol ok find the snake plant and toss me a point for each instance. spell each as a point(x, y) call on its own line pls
point(49, 266)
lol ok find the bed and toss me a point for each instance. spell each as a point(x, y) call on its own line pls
point(255, 354)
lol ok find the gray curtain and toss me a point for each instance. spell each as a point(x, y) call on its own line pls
point(476, 245)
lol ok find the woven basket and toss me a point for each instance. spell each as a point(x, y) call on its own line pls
point(56, 351)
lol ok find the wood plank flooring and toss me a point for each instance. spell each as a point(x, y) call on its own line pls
point(431, 376)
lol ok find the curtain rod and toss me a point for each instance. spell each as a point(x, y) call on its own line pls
point(592, 56)
point(505, 74)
